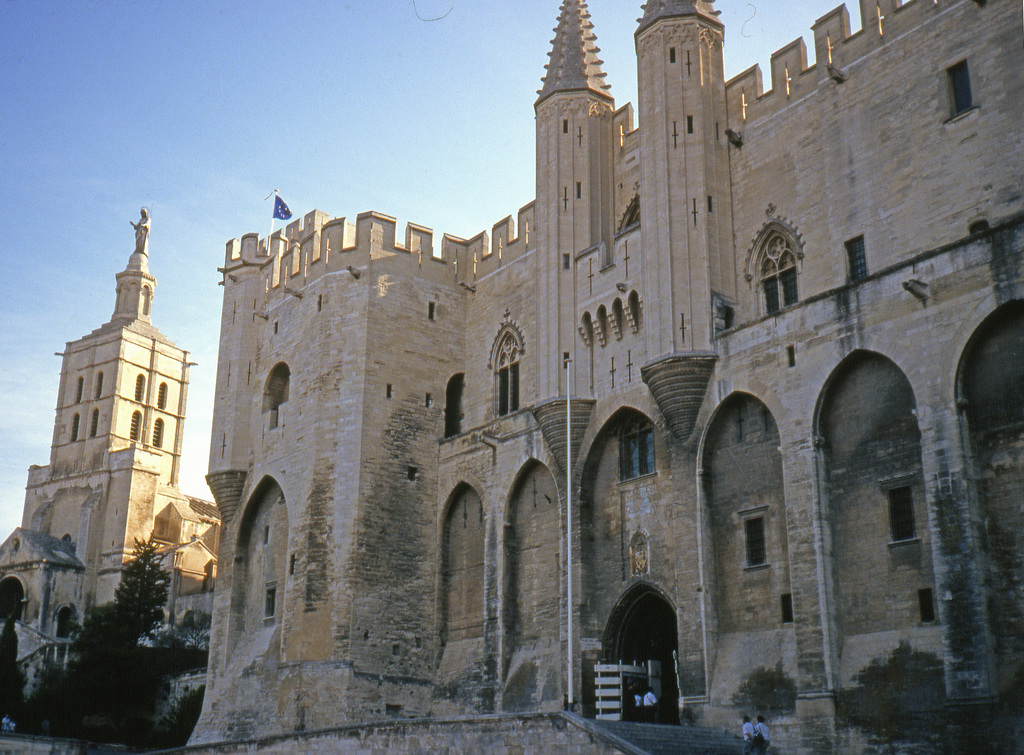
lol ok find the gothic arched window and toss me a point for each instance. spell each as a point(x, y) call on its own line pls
point(507, 369)
point(777, 274)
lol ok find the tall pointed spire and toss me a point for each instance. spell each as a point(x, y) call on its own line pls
point(656, 9)
point(574, 63)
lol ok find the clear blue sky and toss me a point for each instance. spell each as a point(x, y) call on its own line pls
point(199, 110)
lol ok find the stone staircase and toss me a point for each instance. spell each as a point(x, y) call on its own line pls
point(661, 739)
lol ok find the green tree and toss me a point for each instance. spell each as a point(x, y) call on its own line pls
point(12, 681)
point(140, 597)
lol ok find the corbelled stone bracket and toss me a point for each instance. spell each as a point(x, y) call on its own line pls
point(551, 418)
point(227, 491)
point(678, 383)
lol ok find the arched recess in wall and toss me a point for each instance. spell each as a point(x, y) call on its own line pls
point(990, 393)
point(453, 405)
point(12, 597)
point(531, 658)
point(62, 621)
point(869, 448)
point(461, 669)
point(275, 393)
point(618, 468)
point(749, 580)
point(259, 575)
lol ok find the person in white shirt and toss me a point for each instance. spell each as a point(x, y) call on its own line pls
point(762, 737)
point(748, 736)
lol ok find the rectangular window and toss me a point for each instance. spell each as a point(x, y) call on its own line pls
point(270, 603)
point(565, 126)
point(787, 608)
point(753, 530)
point(411, 473)
point(388, 391)
point(791, 355)
point(926, 605)
point(566, 262)
point(430, 310)
point(855, 257)
point(513, 392)
point(428, 401)
point(579, 190)
point(901, 514)
point(959, 87)
point(771, 295)
point(671, 55)
point(711, 204)
point(502, 392)
point(788, 280)
point(689, 124)
point(636, 451)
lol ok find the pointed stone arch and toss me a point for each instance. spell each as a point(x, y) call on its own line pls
point(532, 588)
point(874, 505)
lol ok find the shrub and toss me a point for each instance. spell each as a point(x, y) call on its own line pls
point(767, 689)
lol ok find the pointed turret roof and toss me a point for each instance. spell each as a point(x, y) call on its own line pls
point(574, 63)
point(658, 9)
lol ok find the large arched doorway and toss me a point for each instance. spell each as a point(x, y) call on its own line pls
point(12, 597)
point(642, 631)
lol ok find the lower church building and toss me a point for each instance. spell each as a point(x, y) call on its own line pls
point(741, 388)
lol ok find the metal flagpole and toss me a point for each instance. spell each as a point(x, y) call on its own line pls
point(274, 195)
point(568, 525)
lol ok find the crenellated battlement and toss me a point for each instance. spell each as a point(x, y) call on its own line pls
point(316, 244)
point(837, 52)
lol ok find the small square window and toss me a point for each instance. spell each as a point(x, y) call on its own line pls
point(959, 87)
point(753, 530)
point(901, 514)
point(855, 258)
point(411, 473)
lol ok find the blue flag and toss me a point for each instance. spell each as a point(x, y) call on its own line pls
point(281, 211)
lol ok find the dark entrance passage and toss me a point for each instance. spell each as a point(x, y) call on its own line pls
point(12, 597)
point(642, 628)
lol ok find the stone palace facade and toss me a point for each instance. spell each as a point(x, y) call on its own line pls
point(790, 327)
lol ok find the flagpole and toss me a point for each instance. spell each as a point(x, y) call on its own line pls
point(274, 195)
point(568, 524)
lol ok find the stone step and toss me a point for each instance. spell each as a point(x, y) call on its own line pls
point(662, 739)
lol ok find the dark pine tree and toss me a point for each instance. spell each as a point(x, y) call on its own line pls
point(12, 681)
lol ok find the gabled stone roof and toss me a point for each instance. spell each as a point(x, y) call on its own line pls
point(574, 64)
point(29, 546)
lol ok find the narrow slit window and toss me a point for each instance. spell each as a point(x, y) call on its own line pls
point(140, 387)
point(74, 427)
point(270, 603)
point(926, 605)
point(430, 310)
point(99, 384)
point(689, 124)
point(158, 433)
point(95, 423)
point(787, 608)
point(671, 55)
point(161, 394)
point(959, 88)
point(78, 390)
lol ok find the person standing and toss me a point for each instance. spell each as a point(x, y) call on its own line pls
point(762, 737)
point(748, 736)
